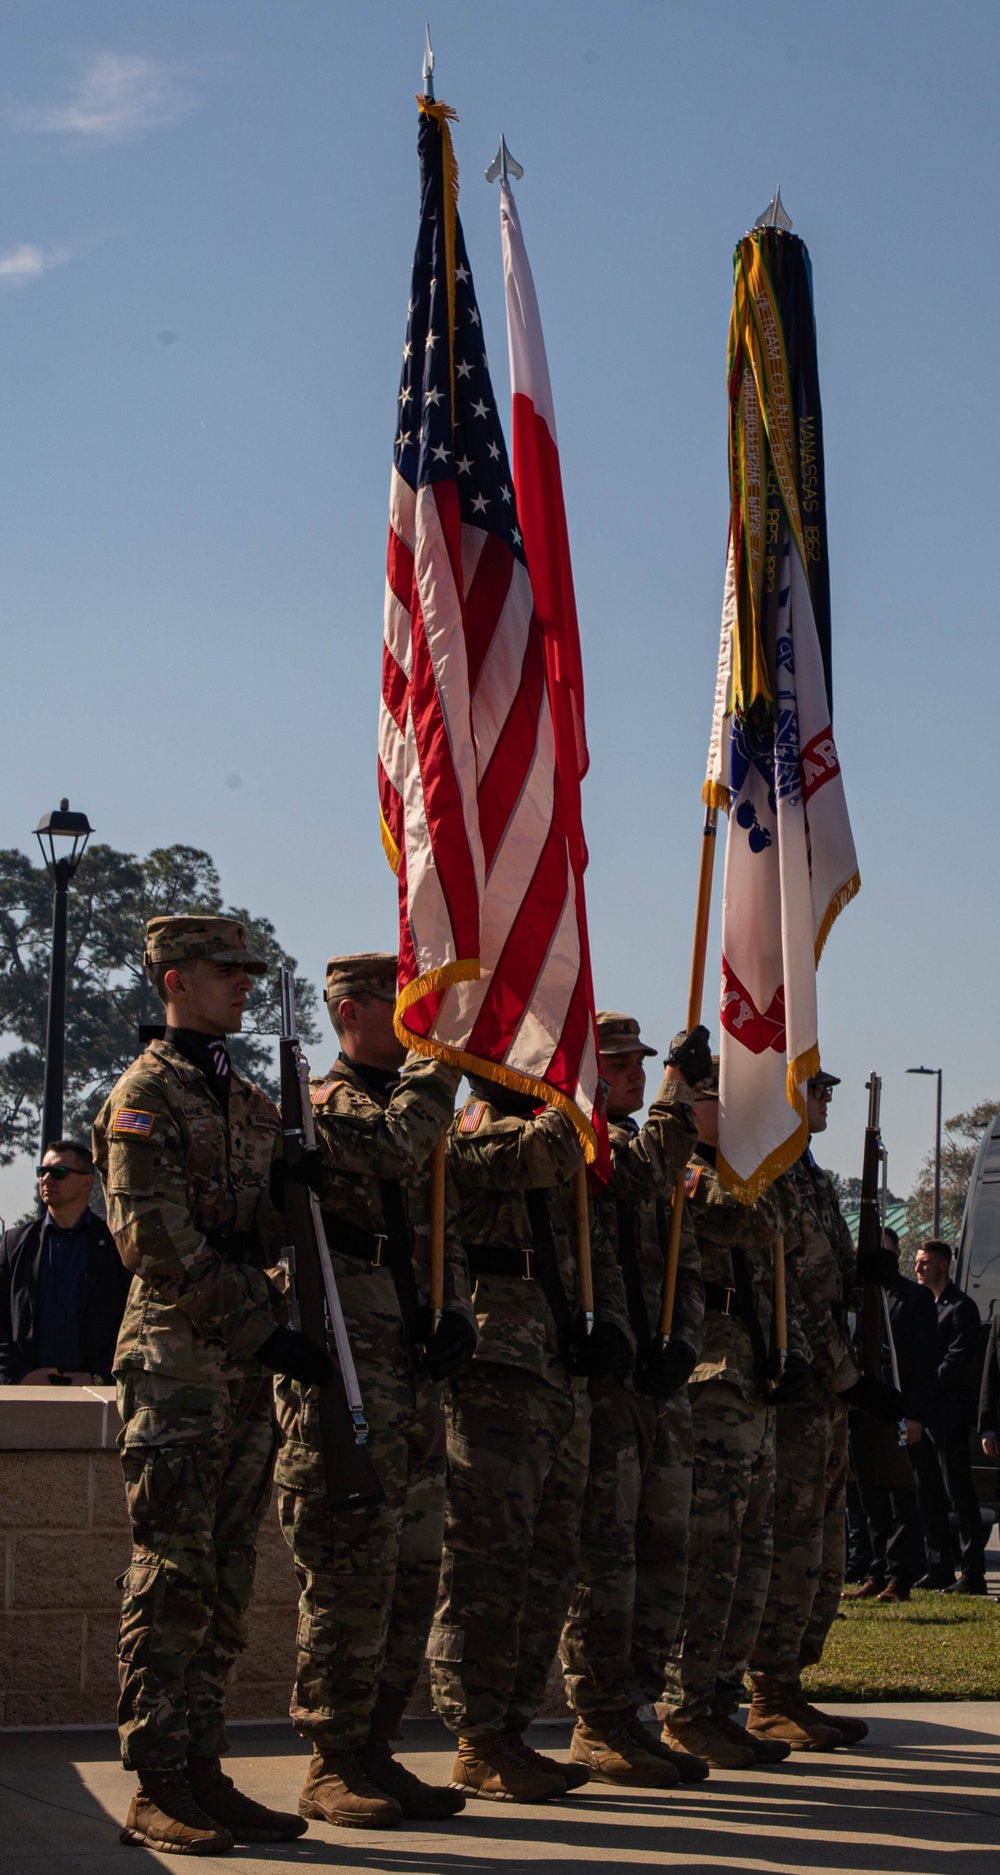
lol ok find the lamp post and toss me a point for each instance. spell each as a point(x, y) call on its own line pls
point(62, 837)
point(937, 1147)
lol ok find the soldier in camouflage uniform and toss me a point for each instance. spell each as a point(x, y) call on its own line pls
point(629, 1597)
point(518, 1437)
point(729, 1558)
point(807, 1573)
point(369, 1576)
point(185, 1148)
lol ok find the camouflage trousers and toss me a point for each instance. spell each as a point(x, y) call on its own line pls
point(807, 1573)
point(517, 1459)
point(729, 1551)
point(629, 1597)
point(197, 1462)
point(367, 1578)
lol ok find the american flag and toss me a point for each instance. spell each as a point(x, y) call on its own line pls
point(491, 970)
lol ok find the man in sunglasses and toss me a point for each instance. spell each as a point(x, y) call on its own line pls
point(62, 1285)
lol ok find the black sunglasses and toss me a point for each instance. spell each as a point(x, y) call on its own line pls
point(59, 1172)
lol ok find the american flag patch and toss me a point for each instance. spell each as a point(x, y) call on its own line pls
point(692, 1178)
point(472, 1113)
point(132, 1120)
point(319, 1095)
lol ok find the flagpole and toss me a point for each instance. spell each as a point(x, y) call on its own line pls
point(584, 1270)
point(437, 1230)
point(696, 990)
point(780, 1309)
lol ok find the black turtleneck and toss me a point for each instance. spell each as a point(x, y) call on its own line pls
point(203, 1052)
point(706, 1152)
point(381, 1081)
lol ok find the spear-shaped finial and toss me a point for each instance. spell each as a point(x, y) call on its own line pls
point(428, 62)
point(775, 215)
point(504, 165)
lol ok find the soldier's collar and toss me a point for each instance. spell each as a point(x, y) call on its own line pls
point(705, 1152)
point(382, 1082)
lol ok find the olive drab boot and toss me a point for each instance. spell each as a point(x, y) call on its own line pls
point(604, 1743)
point(690, 1769)
point(246, 1820)
point(573, 1775)
point(775, 1713)
point(708, 1741)
point(164, 1815)
point(765, 1750)
point(488, 1766)
point(419, 1802)
point(337, 1790)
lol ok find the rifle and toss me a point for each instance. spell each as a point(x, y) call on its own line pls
point(351, 1479)
point(891, 1467)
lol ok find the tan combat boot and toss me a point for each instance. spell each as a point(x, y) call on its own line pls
point(603, 1742)
point(573, 1775)
point(163, 1814)
point(488, 1766)
point(774, 1713)
point(706, 1740)
point(337, 1791)
point(853, 1730)
point(765, 1750)
point(419, 1802)
point(690, 1769)
point(246, 1820)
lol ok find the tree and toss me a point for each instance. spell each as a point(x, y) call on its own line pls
point(848, 1192)
point(959, 1145)
point(108, 995)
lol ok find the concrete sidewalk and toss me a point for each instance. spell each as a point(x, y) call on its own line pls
point(922, 1796)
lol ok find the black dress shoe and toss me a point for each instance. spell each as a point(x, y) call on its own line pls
point(932, 1581)
point(967, 1585)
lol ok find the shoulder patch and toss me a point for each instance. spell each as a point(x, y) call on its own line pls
point(692, 1179)
point(321, 1094)
point(471, 1116)
point(132, 1122)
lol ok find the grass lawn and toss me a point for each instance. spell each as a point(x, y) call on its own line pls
point(932, 1647)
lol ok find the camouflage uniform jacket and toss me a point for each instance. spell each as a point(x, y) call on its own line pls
point(496, 1160)
point(821, 1256)
point(369, 1139)
point(720, 1226)
point(174, 1172)
point(646, 1161)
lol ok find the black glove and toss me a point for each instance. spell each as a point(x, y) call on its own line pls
point(878, 1266)
point(667, 1371)
point(292, 1353)
point(795, 1382)
point(604, 1351)
point(876, 1397)
point(448, 1346)
point(309, 1170)
point(691, 1054)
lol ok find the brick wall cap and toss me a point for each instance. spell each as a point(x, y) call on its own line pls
point(58, 1419)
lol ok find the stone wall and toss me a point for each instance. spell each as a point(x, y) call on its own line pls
point(64, 1540)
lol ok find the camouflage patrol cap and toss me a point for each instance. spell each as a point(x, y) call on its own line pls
point(619, 1035)
point(177, 940)
point(708, 1089)
point(368, 973)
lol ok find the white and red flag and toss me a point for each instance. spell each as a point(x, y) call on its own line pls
point(790, 859)
point(476, 819)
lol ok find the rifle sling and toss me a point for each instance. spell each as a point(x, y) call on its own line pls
point(628, 1263)
point(745, 1308)
point(399, 1244)
point(547, 1263)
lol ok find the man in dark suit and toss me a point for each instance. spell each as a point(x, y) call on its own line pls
point(62, 1283)
point(893, 1517)
point(943, 1457)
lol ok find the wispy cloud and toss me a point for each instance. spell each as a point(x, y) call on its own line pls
point(117, 96)
point(23, 264)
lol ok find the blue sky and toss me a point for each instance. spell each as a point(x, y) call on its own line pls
point(206, 226)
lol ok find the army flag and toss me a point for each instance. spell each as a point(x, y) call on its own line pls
point(492, 956)
point(773, 765)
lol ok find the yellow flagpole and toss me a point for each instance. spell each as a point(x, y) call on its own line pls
point(695, 993)
point(780, 1309)
point(584, 1270)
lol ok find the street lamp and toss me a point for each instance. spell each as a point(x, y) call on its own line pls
point(937, 1147)
point(62, 837)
